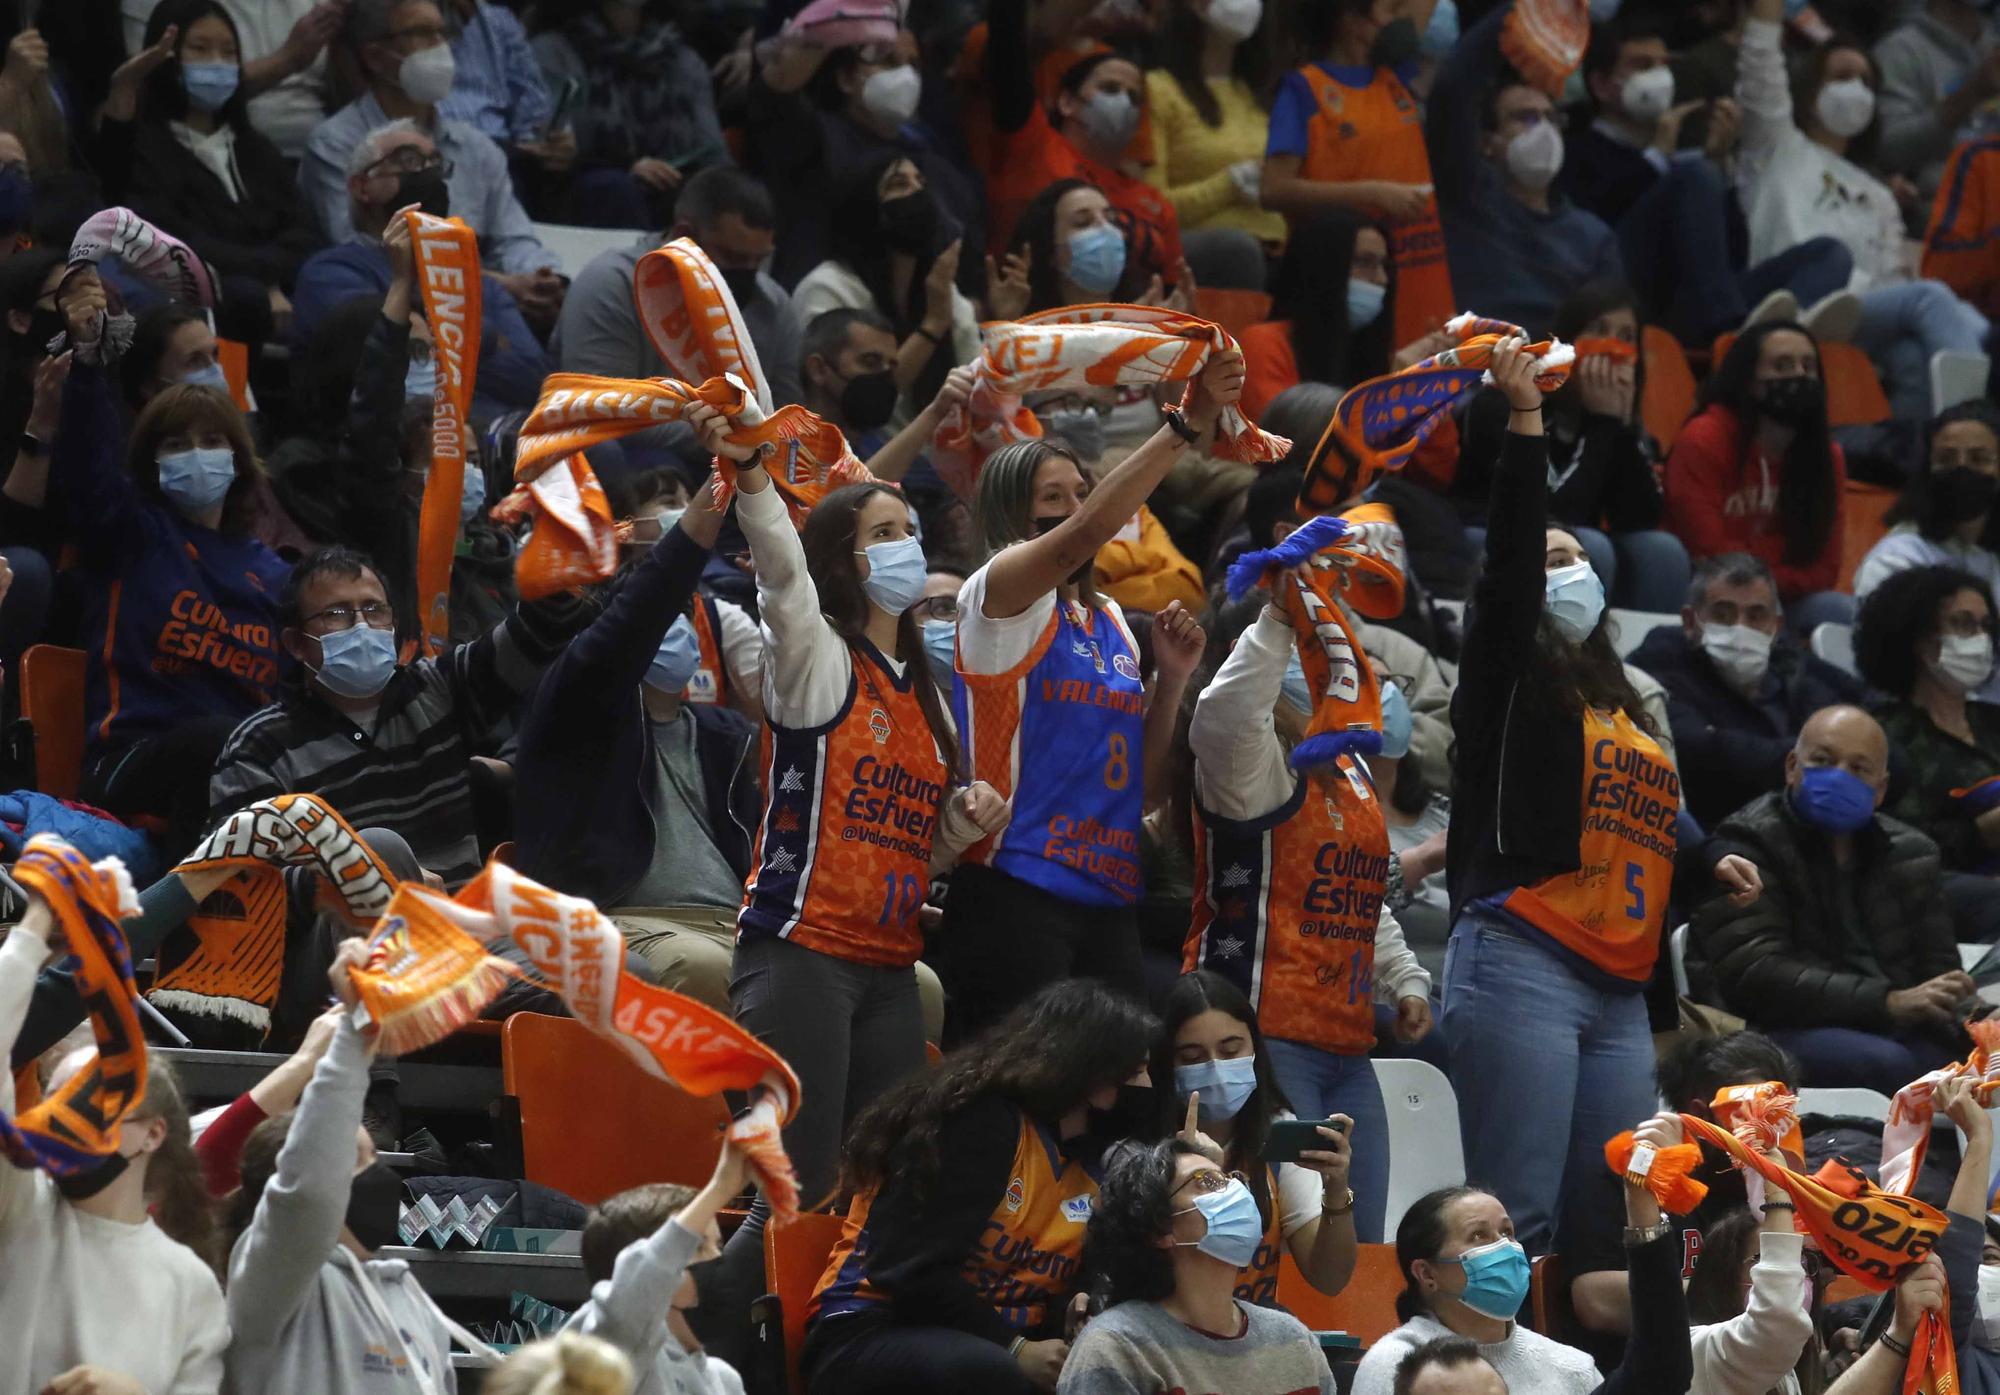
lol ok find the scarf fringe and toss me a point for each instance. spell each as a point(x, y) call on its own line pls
point(434, 1018)
point(756, 1134)
point(216, 1007)
point(1670, 1178)
point(1313, 536)
point(1330, 746)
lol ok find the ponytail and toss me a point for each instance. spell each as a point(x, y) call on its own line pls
point(1420, 1235)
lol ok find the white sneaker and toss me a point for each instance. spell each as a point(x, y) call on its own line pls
point(1778, 305)
point(1834, 319)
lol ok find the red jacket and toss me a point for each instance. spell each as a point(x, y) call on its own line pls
point(1722, 496)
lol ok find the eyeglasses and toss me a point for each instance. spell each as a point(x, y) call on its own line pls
point(375, 614)
point(409, 160)
point(936, 608)
point(1208, 1181)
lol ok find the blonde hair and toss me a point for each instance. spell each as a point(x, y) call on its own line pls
point(568, 1363)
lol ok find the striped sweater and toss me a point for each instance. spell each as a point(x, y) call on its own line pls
point(1139, 1348)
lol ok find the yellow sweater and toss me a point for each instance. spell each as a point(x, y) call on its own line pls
point(1192, 158)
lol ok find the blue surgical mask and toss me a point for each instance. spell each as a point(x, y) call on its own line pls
point(211, 376)
point(1235, 1230)
point(1496, 1279)
point(896, 572)
point(356, 662)
point(195, 481)
point(420, 379)
point(1296, 693)
point(1442, 32)
point(471, 494)
point(1364, 302)
point(1574, 599)
point(209, 86)
point(1097, 258)
point(941, 650)
point(1224, 1085)
point(678, 657)
point(1833, 800)
point(1396, 722)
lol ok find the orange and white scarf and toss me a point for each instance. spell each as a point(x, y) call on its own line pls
point(1545, 40)
point(1906, 1136)
point(429, 973)
point(447, 258)
point(72, 1130)
point(1073, 349)
point(691, 315)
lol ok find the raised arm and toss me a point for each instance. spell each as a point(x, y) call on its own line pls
point(98, 507)
point(21, 956)
point(1763, 89)
point(1510, 592)
point(1010, 73)
point(1451, 127)
point(1657, 1358)
point(1239, 762)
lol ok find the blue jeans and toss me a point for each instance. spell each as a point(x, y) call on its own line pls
point(1830, 1057)
point(1902, 326)
point(1546, 1068)
point(1319, 1084)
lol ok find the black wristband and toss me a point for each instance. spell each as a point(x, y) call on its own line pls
point(32, 444)
point(1181, 427)
point(1901, 1349)
point(934, 338)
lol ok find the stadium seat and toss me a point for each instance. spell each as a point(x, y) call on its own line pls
point(1957, 377)
point(1854, 395)
point(1548, 1301)
point(52, 701)
point(1234, 310)
point(1366, 1308)
point(1424, 1148)
point(1863, 508)
point(235, 360)
point(1833, 643)
point(1849, 1100)
point(794, 1257)
point(592, 1122)
point(575, 247)
point(1667, 397)
point(1630, 627)
point(1677, 952)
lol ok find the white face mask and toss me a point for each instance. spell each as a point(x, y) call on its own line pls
point(1742, 655)
point(892, 93)
point(1964, 662)
point(1987, 1332)
point(427, 74)
point(1234, 19)
point(1646, 96)
point(1846, 107)
point(1534, 156)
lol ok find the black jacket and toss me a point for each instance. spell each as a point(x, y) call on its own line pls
point(1730, 748)
point(585, 769)
point(1603, 466)
point(1781, 962)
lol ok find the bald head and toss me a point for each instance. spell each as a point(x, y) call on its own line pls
point(1845, 737)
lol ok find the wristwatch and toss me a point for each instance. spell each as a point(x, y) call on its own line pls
point(1637, 1235)
point(1182, 428)
point(1329, 1212)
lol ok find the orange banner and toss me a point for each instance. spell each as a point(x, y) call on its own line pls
point(447, 256)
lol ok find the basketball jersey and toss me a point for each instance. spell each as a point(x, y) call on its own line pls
point(1377, 132)
point(1027, 1257)
point(844, 847)
point(1610, 909)
point(1062, 735)
point(1259, 1283)
point(1286, 907)
point(710, 680)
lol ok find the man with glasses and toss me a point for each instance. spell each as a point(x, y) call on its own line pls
point(384, 742)
point(404, 51)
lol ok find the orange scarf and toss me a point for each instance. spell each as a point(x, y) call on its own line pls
point(1906, 1137)
point(447, 257)
point(1617, 350)
point(691, 316)
point(72, 1130)
point(428, 973)
point(1545, 40)
point(1765, 1116)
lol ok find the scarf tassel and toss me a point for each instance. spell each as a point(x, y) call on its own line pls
point(1313, 536)
point(433, 1018)
point(1330, 746)
point(756, 1134)
point(1671, 1177)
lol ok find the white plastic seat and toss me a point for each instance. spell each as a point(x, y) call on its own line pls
point(1425, 1151)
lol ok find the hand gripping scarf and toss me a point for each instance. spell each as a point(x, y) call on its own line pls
point(1907, 1134)
point(1766, 1117)
point(228, 960)
point(72, 1130)
point(1078, 347)
point(162, 261)
point(1356, 559)
point(1379, 425)
point(429, 973)
point(1545, 40)
point(447, 258)
point(1617, 350)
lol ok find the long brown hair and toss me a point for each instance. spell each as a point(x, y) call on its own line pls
point(828, 538)
point(174, 1183)
point(256, 1165)
point(182, 410)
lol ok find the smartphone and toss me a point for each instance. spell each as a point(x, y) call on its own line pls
point(566, 96)
point(1290, 1137)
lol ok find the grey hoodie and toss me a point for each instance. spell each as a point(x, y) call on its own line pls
point(629, 1310)
point(302, 1322)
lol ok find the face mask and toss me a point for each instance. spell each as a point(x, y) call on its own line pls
point(209, 86)
point(371, 1205)
point(1846, 107)
point(1235, 1230)
point(1964, 661)
point(909, 222)
point(1396, 44)
point(678, 657)
point(1496, 1279)
point(356, 662)
point(1132, 1115)
point(1097, 258)
point(195, 481)
point(1833, 800)
point(1109, 119)
point(941, 650)
point(1364, 302)
point(669, 518)
point(1235, 20)
point(868, 400)
point(208, 376)
point(742, 285)
point(1646, 96)
point(892, 93)
point(1081, 427)
point(1224, 1085)
point(471, 494)
point(1396, 722)
point(425, 76)
point(1963, 493)
point(424, 188)
point(1441, 34)
point(1296, 694)
point(896, 572)
point(1534, 156)
point(1793, 402)
point(1742, 655)
point(1989, 1304)
point(420, 379)
point(1574, 599)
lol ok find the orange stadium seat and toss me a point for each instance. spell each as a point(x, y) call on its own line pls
point(1366, 1308)
point(1669, 392)
point(794, 1258)
point(52, 701)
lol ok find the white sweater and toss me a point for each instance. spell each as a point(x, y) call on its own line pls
point(1755, 1352)
point(1530, 1363)
point(81, 1290)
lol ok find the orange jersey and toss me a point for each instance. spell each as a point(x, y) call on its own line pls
point(1610, 909)
point(1962, 247)
point(710, 682)
point(1286, 907)
point(1269, 365)
point(1377, 132)
point(844, 847)
point(1027, 1258)
point(1027, 161)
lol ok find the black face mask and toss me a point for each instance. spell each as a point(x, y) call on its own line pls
point(909, 222)
point(1793, 402)
point(426, 189)
point(742, 285)
point(371, 1205)
point(83, 1186)
point(868, 400)
point(1136, 1114)
point(1047, 522)
point(1960, 493)
point(1396, 43)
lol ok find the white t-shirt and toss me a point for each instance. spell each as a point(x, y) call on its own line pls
point(990, 645)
